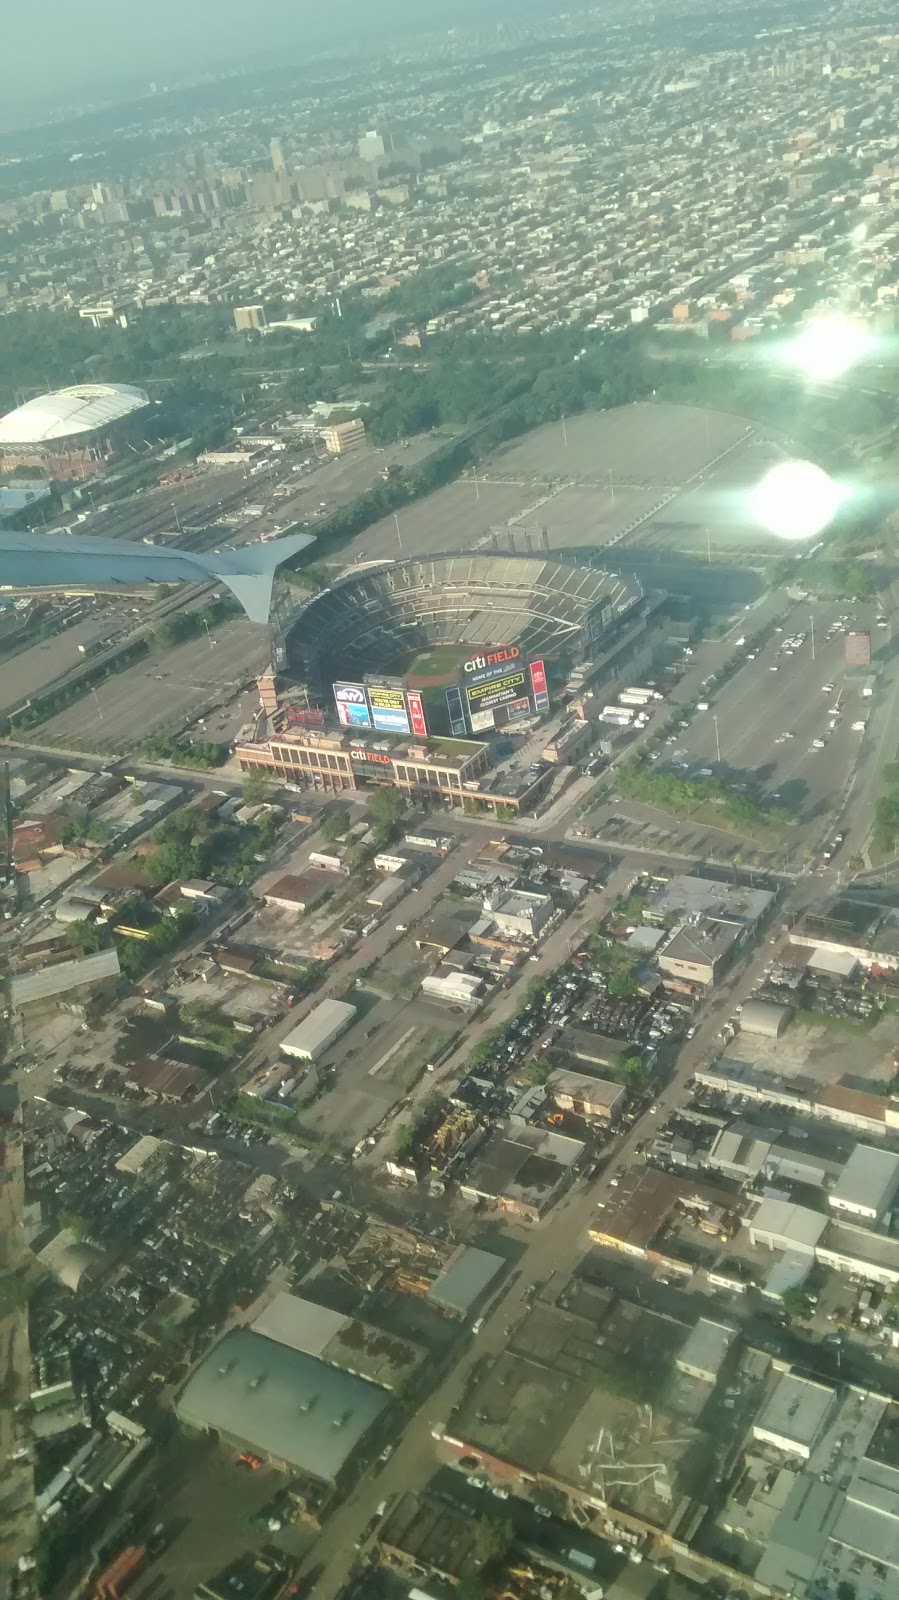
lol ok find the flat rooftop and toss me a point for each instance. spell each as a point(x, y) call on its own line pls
point(795, 1411)
point(868, 1181)
point(281, 1402)
point(338, 1340)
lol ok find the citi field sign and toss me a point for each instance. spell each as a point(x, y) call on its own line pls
point(489, 664)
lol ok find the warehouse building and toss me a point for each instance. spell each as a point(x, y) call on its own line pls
point(795, 1415)
point(465, 1280)
point(705, 1350)
point(339, 1341)
point(764, 1017)
point(296, 1411)
point(317, 1032)
point(586, 1096)
point(868, 1183)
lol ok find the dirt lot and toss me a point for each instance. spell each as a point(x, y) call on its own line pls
point(823, 1052)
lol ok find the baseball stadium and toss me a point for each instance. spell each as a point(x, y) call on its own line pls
point(440, 655)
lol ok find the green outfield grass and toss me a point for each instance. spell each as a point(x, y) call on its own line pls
point(444, 658)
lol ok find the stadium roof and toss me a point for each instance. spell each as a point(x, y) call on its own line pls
point(63, 563)
point(281, 1402)
point(68, 413)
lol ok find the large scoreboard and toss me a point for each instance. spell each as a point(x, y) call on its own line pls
point(498, 681)
point(381, 703)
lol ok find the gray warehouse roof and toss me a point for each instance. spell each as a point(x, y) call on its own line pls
point(60, 562)
point(795, 1411)
point(764, 1016)
point(282, 1403)
point(465, 1278)
point(705, 1347)
point(315, 1032)
point(339, 1340)
point(64, 977)
point(868, 1181)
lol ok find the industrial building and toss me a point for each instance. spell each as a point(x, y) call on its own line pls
point(867, 1185)
point(597, 1098)
point(523, 1169)
point(705, 1350)
point(317, 1032)
point(465, 1279)
point(300, 1413)
point(339, 1341)
point(794, 1415)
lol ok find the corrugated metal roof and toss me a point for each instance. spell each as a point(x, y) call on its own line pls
point(317, 1030)
point(282, 1403)
point(466, 1276)
point(66, 976)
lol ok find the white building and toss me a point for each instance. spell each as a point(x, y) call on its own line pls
point(868, 1183)
point(794, 1415)
point(319, 1030)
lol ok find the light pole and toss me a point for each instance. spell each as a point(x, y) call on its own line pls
point(717, 740)
point(97, 704)
point(175, 511)
point(611, 486)
point(477, 492)
point(812, 620)
point(399, 537)
point(208, 634)
point(564, 433)
point(708, 544)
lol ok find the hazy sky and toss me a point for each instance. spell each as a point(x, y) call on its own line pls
point(70, 48)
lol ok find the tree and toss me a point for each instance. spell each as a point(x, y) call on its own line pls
point(255, 787)
point(403, 1139)
point(84, 936)
point(633, 1071)
point(493, 1539)
point(538, 1070)
point(335, 824)
point(797, 1305)
point(386, 807)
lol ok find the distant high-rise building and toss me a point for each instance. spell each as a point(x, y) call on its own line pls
point(278, 162)
point(249, 319)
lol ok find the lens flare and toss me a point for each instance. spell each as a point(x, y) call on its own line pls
point(796, 500)
point(829, 346)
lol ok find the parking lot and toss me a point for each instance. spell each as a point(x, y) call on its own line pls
point(655, 475)
point(166, 691)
